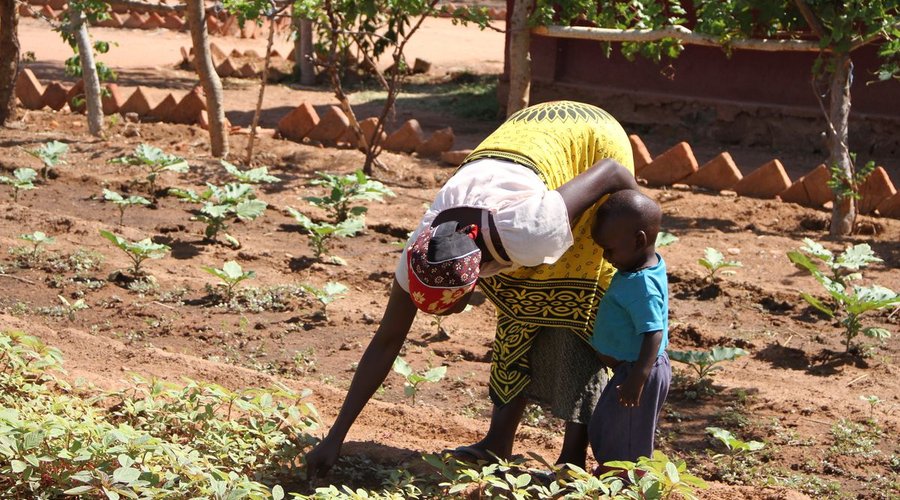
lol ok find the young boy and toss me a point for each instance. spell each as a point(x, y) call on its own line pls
point(631, 331)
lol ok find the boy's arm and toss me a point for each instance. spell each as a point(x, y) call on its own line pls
point(630, 390)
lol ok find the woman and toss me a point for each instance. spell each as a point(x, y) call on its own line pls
point(515, 218)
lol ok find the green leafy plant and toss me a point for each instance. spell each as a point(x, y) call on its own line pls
point(326, 295)
point(22, 180)
point(873, 402)
point(664, 239)
point(848, 301)
point(37, 239)
point(414, 379)
point(345, 191)
point(705, 363)
point(231, 274)
point(321, 233)
point(846, 184)
point(221, 204)
point(123, 203)
point(155, 161)
point(735, 446)
point(137, 251)
point(259, 175)
point(714, 261)
point(50, 154)
point(71, 308)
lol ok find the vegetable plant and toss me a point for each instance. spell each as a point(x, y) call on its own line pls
point(664, 239)
point(230, 275)
point(705, 363)
point(326, 295)
point(320, 233)
point(123, 203)
point(137, 251)
point(222, 204)
point(50, 154)
point(735, 446)
point(413, 379)
point(155, 161)
point(36, 239)
point(346, 190)
point(259, 175)
point(848, 301)
point(713, 261)
point(22, 180)
point(72, 307)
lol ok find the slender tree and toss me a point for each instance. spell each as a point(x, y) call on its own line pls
point(519, 56)
point(9, 59)
point(209, 79)
point(78, 24)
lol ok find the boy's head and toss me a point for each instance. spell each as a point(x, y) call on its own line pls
point(626, 226)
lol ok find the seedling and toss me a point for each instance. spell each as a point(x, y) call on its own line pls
point(320, 233)
point(664, 239)
point(345, 190)
point(713, 261)
point(155, 161)
point(258, 175)
point(220, 204)
point(849, 301)
point(735, 446)
point(36, 239)
point(50, 154)
point(22, 180)
point(123, 203)
point(231, 274)
point(413, 379)
point(873, 401)
point(73, 307)
point(331, 292)
point(705, 363)
point(138, 251)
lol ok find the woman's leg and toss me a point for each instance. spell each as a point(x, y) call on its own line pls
point(502, 432)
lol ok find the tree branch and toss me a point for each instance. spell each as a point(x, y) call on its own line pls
point(810, 18)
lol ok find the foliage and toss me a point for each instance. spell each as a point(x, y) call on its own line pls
point(155, 161)
point(231, 274)
point(345, 190)
point(36, 239)
point(664, 239)
point(848, 186)
point(259, 175)
point(735, 446)
point(93, 11)
point(152, 440)
point(713, 261)
point(413, 379)
point(221, 204)
point(22, 180)
point(72, 307)
point(326, 295)
point(137, 251)
point(50, 154)
point(848, 301)
point(123, 203)
point(705, 363)
point(321, 233)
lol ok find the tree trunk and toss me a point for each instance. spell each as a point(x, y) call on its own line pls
point(843, 214)
point(88, 71)
point(519, 57)
point(212, 86)
point(303, 52)
point(262, 92)
point(9, 59)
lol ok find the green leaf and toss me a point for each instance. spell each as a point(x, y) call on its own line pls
point(334, 288)
point(877, 333)
point(664, 239)
point(817, 304)
point(856, 257)
point(250, 209)
point(233, 270)
point(401, 366)
point(18, 466)
point(277, 492)
point(79, 490)
point(435, 374)
point(126, 475)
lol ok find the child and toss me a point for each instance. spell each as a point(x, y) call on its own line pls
point(631, 331)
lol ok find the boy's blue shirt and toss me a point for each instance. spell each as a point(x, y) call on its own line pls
point(635, 303)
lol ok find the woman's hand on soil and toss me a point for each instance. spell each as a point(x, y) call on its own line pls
point(322, 458)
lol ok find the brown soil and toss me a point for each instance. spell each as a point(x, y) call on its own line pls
point(791, 390)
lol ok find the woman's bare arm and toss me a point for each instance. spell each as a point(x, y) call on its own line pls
point(603, 178)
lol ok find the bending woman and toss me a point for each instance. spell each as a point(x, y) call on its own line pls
point(515, 218)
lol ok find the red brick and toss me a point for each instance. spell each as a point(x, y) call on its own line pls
point(247, 70)
point(767, 181)
point(216, 53)
point(252, 54)
point(212, 25)
point(226, 68)
point(874, 190)
point(406, 139)
point(368, 129)
point(642, 156)
point(718, 174)
point(456, 157)
point(816, 184)
point(203, 120)
point(672, 166)
point(291, 55)
point(113, 21)
point(77, 93)
point(230, 27)
point(249, 30)
point(189, 107)
point(24, 10)
point(55, 95)
point(331, 127)
point(796, 194)
point(57, 4)
point(164, 110)
point(298, 123)
point(440, 141)
point(134, 20)
point(275, 54)
point(29, 90)
point(113, 100)
point(187, 56)
point(890, 207)
point(173, 22)
point(48, 12)
point(138, 102)
point(154, 22)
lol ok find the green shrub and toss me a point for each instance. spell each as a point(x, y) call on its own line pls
point(346, 190)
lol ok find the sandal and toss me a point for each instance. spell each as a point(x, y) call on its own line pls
point(471, 454)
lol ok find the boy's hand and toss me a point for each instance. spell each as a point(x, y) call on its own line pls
point(630, 390)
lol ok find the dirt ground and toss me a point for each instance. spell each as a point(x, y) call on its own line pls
point(796, 390)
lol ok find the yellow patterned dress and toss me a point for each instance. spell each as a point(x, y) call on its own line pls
point(557, 140)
